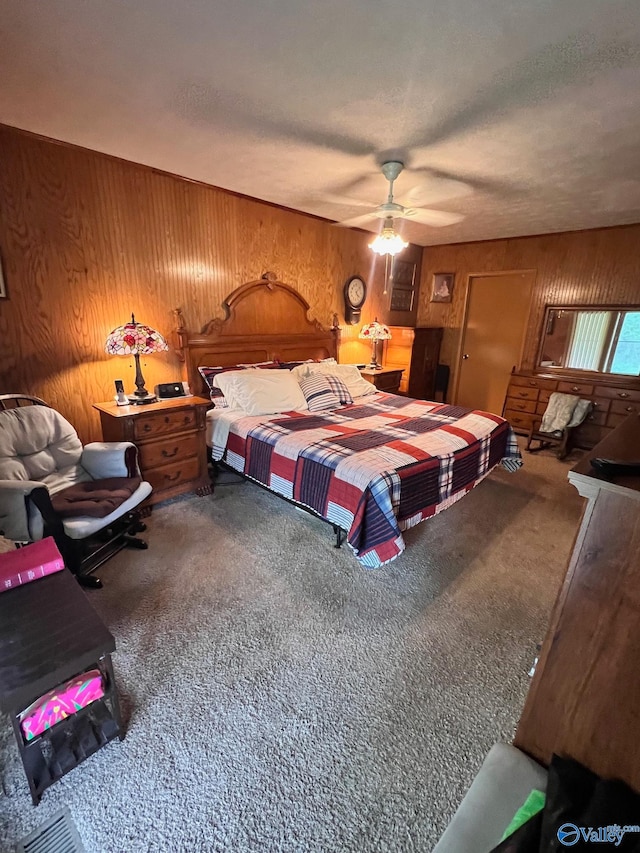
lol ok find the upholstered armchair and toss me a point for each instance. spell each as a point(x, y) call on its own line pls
point(87, 498)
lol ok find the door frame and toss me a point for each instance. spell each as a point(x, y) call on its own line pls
point(465, 317)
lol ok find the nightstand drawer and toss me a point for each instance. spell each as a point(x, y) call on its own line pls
point(154, 453)
point(160, 423)
point(170, 476)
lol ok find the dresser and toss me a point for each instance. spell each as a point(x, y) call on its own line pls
point(528, 395)
point(171, 440)
point(387, 379)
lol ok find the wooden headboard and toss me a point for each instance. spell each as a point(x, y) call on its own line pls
point(266, 320)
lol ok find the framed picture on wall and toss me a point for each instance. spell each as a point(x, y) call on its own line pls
point(403, 281)
point(442, 288)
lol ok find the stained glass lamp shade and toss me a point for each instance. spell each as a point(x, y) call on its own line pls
point(375, 332)
point(136, 339)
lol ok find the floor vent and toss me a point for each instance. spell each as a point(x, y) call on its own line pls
point(57, 835)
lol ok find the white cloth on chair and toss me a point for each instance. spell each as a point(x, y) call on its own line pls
point(559, 412)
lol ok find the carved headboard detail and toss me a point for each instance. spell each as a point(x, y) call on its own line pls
point(266, 320)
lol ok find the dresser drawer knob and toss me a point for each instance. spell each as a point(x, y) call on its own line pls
point(623, 394)
point(522, 393)
point(169, 454)
point(166, 419)
point(532, 383)
point(630, 408)
point(575, 388)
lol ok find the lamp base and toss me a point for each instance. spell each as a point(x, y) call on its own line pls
point(374, 366)
point(134, 400)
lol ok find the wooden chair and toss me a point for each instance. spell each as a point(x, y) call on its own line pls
point(562, 439)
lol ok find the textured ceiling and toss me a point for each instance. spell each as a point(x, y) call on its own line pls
point(534, 105)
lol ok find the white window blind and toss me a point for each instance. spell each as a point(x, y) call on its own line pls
point(589, 337)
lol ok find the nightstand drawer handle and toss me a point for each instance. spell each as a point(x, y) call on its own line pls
point(168, 455)
point(147, 427)
point(166, 419)
point(172, 478)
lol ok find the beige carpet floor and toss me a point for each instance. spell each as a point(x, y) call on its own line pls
point(280, 698)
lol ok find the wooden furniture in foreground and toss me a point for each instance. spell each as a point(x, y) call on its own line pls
point(424, 363)
point(614, 399)
point(266, 321)
point(171, 441)
point(584, 699)
point(387, 379)
point(49, 633)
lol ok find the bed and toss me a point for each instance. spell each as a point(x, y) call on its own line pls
point(373, 468)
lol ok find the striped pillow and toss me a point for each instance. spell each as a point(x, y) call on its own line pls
point(317, 392)
point(339, 389)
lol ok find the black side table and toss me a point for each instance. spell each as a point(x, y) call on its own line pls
point(49, 633)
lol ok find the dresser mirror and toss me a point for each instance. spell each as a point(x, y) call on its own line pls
point(603, 339)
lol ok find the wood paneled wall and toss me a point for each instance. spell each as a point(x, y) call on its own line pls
point(588, 267)
point(86, 239)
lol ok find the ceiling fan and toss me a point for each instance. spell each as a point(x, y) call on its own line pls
point(391, 209)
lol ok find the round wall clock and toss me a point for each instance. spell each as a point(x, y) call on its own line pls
point(355, 293)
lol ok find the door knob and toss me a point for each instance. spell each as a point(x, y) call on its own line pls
point(465, 356)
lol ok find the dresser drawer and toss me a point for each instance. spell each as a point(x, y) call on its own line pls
point(534, 382)
point(170, 476)
point(522, 393)
point(520, 420)
point(622, 407)
point(591, 434)
point(521, 405)
point(543, 396)
point(162, 423)
point(601, 404)
point(579, 388)
point(633, 394)
point(155, 453)
point(595, 417)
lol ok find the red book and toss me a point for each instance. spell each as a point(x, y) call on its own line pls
point(29, 563)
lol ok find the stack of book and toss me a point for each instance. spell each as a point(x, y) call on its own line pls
point(23, 565)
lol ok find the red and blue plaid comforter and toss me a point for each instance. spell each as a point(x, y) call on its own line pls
point(374, 468)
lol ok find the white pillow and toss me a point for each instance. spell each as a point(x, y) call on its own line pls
point(356, 384)
point(262, 392)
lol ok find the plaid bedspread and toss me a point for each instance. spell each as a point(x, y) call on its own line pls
point(375, 468)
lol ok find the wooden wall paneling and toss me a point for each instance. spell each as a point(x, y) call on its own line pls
point(587, 267)
point(86, 239)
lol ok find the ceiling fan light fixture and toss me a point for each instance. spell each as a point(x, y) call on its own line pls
point(388, 241)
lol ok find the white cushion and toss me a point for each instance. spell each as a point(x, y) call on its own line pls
point(36, 443)
point(262, 392)
point(356, 384)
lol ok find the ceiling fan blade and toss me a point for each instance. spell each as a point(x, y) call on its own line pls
point(435, 190)
point(435, 218)
point(344, 200)
point(357, 221)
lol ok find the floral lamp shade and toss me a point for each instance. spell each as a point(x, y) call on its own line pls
point(375, 332)
point(136, 339)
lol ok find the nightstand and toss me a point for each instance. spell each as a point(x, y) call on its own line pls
point(387, 379)
point(171, 440)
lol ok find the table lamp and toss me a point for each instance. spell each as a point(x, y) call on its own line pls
point(136, 339)
point(375, 332)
